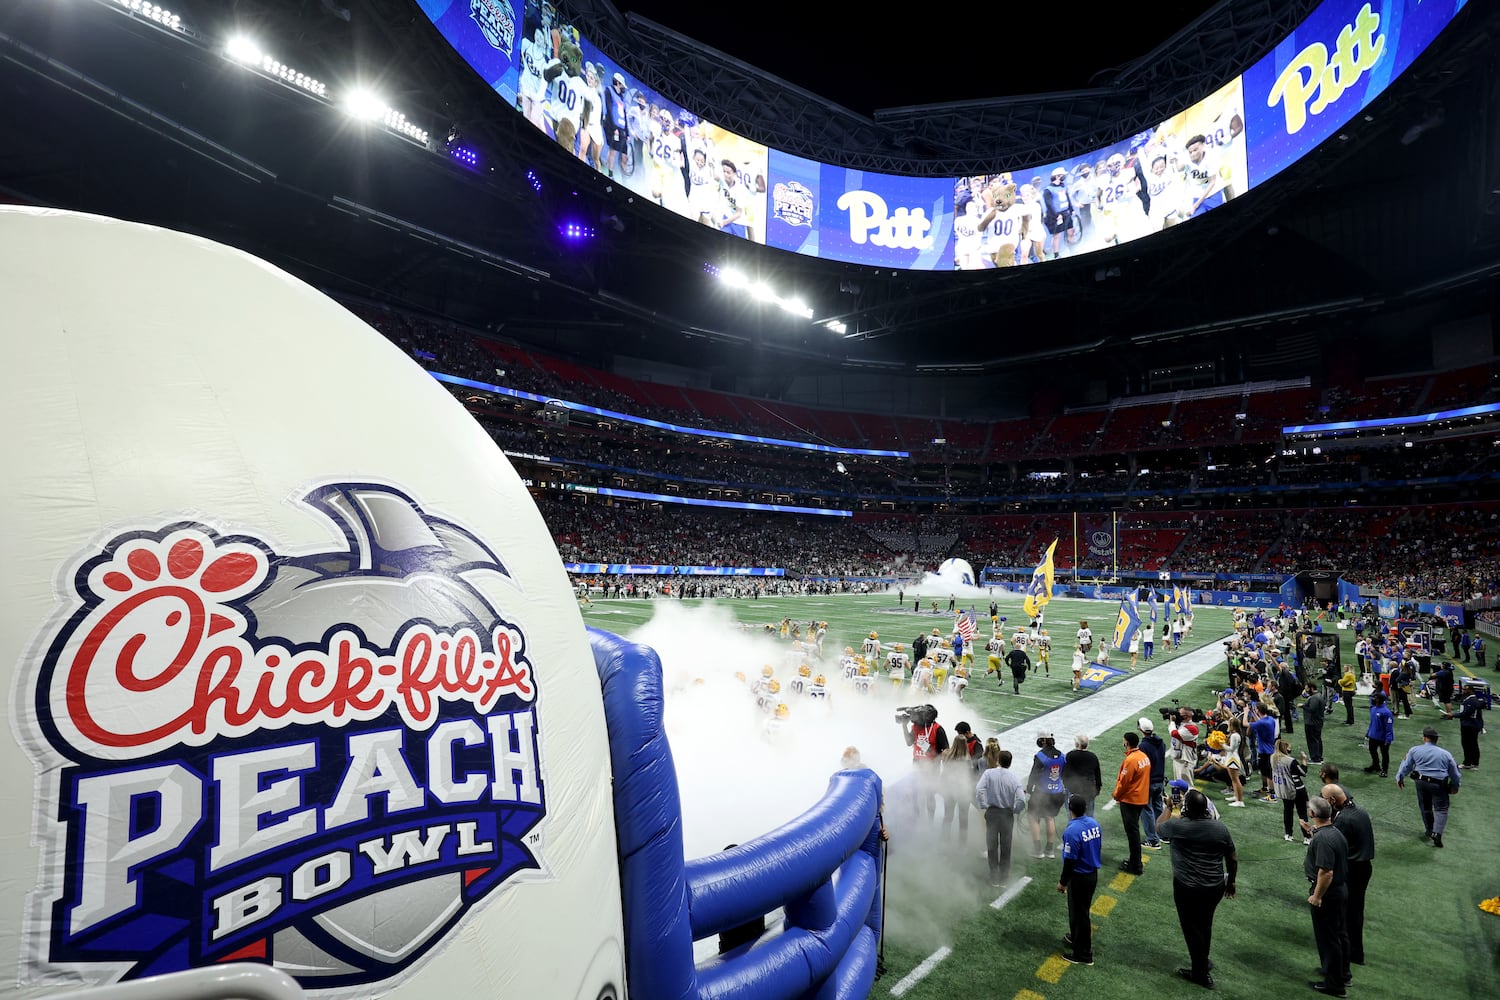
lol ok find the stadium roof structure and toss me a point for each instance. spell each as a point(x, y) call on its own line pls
point(954, 138)
point(114, 117)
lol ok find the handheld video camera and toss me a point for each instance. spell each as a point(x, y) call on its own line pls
point(917, 715)
point(1171, 714)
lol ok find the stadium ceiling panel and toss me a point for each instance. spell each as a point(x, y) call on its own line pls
point(945, 139)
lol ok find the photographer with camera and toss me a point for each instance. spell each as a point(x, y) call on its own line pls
point(1204, 867)
point(928, 740)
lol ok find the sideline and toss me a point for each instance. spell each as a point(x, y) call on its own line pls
point(1118, 702)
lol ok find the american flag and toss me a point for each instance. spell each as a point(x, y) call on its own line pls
point(965, 626)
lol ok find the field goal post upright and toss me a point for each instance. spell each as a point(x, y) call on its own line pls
point(1114, 546)
point(1075, 550)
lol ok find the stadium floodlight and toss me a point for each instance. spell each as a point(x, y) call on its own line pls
point(396, 122)
point(153, 12)
point(796, 307)
point(733, 277)
point(242, 49)
point(365, 105)
point(763, 292)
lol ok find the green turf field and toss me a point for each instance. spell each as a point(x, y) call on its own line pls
point(1425, 935)
point(850, 618)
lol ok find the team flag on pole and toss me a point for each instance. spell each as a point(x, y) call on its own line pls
point(1177, 604)
point(1151, 603)
point(1127, 623)
point(965, 627)
point(1039, 591)
point(1187, 602)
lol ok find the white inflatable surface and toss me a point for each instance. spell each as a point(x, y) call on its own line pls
point(295, 672)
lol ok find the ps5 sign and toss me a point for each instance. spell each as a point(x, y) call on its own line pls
point(320, 760)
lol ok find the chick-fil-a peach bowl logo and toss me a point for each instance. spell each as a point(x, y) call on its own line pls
point(320, 761)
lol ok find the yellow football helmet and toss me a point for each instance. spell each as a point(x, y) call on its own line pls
point(782, 711)
point(767, 670)
point(805, 670)
point(820, 680)
point(774, 687)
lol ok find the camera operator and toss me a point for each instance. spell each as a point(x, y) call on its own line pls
point(927, 739)
point(1204, 867)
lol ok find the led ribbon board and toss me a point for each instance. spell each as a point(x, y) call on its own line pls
point(661, 424)
point(1338, 60)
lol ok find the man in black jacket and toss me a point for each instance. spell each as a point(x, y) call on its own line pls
point(1081, 774)
point(1019, 664)
point(1204, 868)
point(1354, 823)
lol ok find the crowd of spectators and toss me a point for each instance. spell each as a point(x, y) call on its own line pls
point(1121, 428)
point(1443, 554)
point(1446, 554)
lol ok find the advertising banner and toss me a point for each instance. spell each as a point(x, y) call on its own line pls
point(1327, 70)
point(487, 33)
point(636, 569)
point(1237, 599)
point(861, 217)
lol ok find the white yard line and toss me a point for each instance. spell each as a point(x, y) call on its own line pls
point(918, 974)
point(931, 961)
point(1011, 892)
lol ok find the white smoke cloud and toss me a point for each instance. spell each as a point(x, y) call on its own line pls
point(736, 782)
point(948, 581)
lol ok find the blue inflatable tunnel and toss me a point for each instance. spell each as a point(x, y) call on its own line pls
point(823, 869)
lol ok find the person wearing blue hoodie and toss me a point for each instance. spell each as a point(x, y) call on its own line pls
point(1380, 735)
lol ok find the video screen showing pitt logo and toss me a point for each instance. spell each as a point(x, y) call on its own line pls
point(1334, 64)
point(864, 218)
point(486, 33)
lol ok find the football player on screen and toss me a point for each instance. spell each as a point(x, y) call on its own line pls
point(1164, 189)
point(734, 201)
point(1204, 178)
point(532, 89)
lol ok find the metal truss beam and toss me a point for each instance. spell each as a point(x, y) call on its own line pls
point(948, 139)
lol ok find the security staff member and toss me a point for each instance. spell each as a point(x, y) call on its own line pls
point(1436, 774)
point(1327, 869)
point(1354, 823)
point(1082, 855)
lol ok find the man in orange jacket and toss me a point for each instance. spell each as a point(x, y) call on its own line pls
point(1133, 793)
